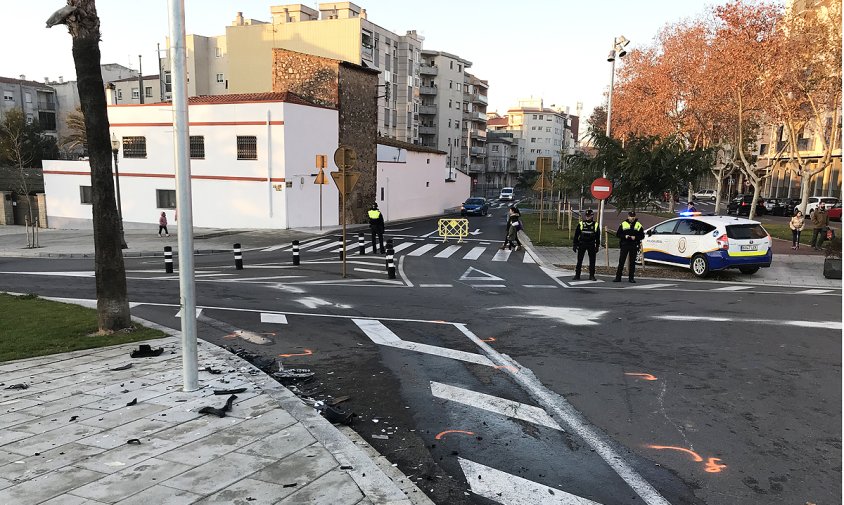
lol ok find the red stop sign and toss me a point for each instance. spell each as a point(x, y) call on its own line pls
point(601, 188)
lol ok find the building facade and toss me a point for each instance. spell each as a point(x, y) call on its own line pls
point(475, 124)
point(36, 100)
point(128, 90)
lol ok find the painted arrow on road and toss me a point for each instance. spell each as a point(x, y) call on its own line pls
point(476, 232)
point(573, 316)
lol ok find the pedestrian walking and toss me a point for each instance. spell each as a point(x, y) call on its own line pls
point(796, 224)
point(514, 225)
point(376, 226)
point(691, 207)
point(630, 234)
point(587, 240)
point(820, 225)
point(162, 225)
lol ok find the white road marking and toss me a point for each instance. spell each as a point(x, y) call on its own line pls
point(275, 248)
point(402, 246)
point(313, 302)
point(578, 283)
point(351, 247)
point(573, 316)
point(555, 403)
point(528, 258)
point(369, 270)
point(448, 251)
point(395, 230)
point(198, 275)
point(473, 274)
point(829, 325)
point(475, 253)
point(813, 292)
point(652, 286)
point(733, 288)
point(179, 314)
point(436, 286)
point(488, 285)
point(401, 274)
point(311, 243)
point(329, 245)
point(381, 335)
point(431, 233)
point(269, 317)
point(502, 255)
point(505, 488)
point(419, 251)
point(494, 404)
point(55, 274)
point(550, 286)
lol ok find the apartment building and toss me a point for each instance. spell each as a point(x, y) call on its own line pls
point(505, 159)
point(475, 123)
point(35, 99)
point(442, 105)
point(241, 60)
point(128, 90)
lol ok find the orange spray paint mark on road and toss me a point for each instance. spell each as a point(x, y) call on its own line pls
point(307, 352)
point(506, 367)
point(711, 466)
point(441, 434)
point(490, 339)
point(644, 376)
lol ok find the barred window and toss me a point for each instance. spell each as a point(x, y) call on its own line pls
point(134, 147)
point(85, 196)
point(165, 198)
point(197, 147)
point(247, 147)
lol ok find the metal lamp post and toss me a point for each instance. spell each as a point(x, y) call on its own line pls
point(115, 147)
point(617, 51)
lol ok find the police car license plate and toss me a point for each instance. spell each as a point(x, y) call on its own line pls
point(749, 248)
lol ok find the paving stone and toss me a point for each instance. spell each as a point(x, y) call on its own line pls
point(189, 431)
point(127, 455)
point(255, 406)
point(5, 483)
point(248, 491)
point(162, 495)
point(119, 401)
point(16, 404)
point(106, 420)
point(13, 418)
point(282, 444)
point(69, 499)
point(47, 486)
point(218, 474)
point(51, 439)
point(334, 488)
point(8, 457)
point(301, 467)
point(125, 483)
point(140, 428)
point(12, 436)
point(57, 420)
point(30, 467)
point(47, 408)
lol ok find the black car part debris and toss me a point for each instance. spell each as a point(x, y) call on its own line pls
point(221, 412)
point(145, 351)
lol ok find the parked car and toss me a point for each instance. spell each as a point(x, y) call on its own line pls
point(709, 243)
point(740, 206)
point(705, 194)
point(506, 195)
point(789, 204)
point(475, 206)
point(835, 212)
point(774, 207)
point(828, 201)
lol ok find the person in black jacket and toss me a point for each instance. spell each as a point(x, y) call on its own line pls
point(630, 234)
point(376, 225)
point(587, 239)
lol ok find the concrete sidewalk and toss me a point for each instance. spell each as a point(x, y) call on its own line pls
point(87, 432)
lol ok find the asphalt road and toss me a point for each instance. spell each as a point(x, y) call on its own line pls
point(480, 374)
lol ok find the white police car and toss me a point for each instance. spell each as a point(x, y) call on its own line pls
point(709, 243)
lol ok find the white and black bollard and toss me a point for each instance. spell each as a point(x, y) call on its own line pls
point(168, 259)
point(391, 266)
point(295, 252)
point(389, 248)
point(361, 245)
point(238, 257)
point(342, 245)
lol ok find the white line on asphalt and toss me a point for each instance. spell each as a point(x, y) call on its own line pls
point(179, 314)
point(429, 234)
point(269, 317)
point(602, 444)
point(830, 325)
point(813, 292)
point(275, 248)
point(495, 404)
point(554, 275)
point(502, 255)
point(528, 258)
point(419, 251)
point(312, 243)
point(475, 253)
point(551, 286)
point(733, 288)
point(381, 335)
point(403, 246)
point(488, 285)
point(652, 286)
point(329, 245)
point(56, 274)
point(574, 316)
point(473, 274)
point(448, 251)
point(436, 286)
point(370, 270)
point(401, 273)
point(580, 283)
point(505, 488)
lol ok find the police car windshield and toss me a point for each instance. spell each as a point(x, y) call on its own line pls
point(746, 231)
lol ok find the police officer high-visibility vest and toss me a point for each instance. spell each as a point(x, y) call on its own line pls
point(374, 213)
point(637, 226)
point(588, 235)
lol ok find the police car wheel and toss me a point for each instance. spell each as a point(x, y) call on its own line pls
point(700, 265)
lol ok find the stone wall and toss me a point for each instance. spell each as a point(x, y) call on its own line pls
point(309, 76)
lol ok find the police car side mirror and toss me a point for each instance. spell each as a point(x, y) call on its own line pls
point(649, 233)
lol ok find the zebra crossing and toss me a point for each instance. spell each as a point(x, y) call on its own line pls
point(409, 247)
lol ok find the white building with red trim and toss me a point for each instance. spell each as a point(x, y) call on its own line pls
point(252, 165)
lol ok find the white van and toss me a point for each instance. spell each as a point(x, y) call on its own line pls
point(506, 195)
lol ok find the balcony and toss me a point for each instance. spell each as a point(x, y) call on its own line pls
point(477, 167)
point(46, 105)
point(427, 90)
point(481, 99)
point(478, 151)
point(428, 70)
point(427, 109)
point(478, 116)
point(478, 134)
point(427, 130)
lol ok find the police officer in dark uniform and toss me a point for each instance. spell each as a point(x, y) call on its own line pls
point(376, 225)
point(587, 239)
point(630, 234)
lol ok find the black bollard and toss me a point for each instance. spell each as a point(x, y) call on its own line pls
point(168, 259)
point(391, 267)
point(238, 257)
point(389, 248)
point(342, 245)
point(295, 252)
point(361, 246)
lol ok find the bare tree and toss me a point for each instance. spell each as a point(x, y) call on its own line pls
point(80, 16)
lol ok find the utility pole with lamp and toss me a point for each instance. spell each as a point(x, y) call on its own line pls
point(115, 147)
point(617, 51)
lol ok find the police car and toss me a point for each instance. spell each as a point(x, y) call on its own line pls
point(708, 243)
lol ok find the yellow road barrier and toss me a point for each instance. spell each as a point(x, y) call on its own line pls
point(453, 228)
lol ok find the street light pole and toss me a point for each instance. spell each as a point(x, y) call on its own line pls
point(618, 44)
point(115, 147)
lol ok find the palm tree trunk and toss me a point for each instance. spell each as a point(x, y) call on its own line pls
point(112, 300)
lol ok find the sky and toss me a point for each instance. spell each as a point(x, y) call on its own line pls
point(553, 49)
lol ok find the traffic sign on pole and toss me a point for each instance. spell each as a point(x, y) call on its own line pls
point(345, 186)
point(601, 188)
point(345, 157)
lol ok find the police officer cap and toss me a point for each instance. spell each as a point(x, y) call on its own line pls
point(588, 212)
point(631, 214)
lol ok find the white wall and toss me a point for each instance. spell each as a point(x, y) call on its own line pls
point(415, 185)
point(226, 192)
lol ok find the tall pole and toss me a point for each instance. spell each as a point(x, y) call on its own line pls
point(343, 210)
point(609, 118)
point(181, 136)
point(140, 80)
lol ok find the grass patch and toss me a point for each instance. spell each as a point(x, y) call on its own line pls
point(784, 232)
point(551, 235)
point(32, 326)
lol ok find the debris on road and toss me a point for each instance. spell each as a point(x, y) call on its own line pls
point(221, 412)
point(146, 351)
